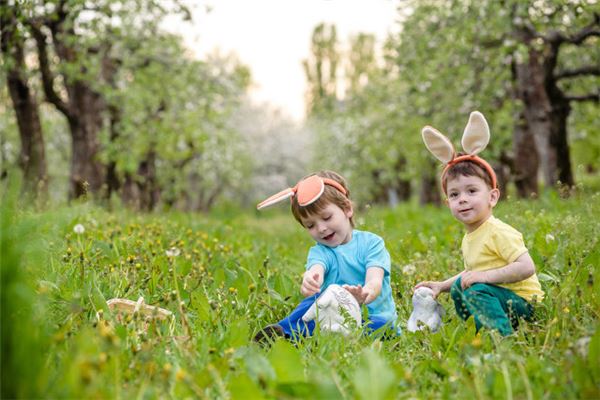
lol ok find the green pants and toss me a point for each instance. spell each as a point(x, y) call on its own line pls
point(492, 306)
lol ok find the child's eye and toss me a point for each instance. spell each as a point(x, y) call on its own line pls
point(453, 195)
point(326, 218)
point(309, 226)
point(472, 190)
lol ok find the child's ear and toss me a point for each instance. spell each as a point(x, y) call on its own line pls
point(494, 196)
point(349, 211)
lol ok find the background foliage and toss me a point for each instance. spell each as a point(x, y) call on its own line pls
point(180, 132)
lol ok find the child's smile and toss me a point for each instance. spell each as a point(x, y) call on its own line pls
point(329, 237)
point(331, 226)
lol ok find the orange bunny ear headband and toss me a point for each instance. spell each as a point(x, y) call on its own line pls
point(307, 191)
point(474, 140)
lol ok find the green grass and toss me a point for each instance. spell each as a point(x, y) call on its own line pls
point(238, 272)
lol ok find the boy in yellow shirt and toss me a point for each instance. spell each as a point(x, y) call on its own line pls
point(499, 283)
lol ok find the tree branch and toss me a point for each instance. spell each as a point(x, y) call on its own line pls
point(47, 76)
point(592, 29)
point(570, 73)
point(593, 97)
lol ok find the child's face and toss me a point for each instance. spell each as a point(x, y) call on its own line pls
point(471, 200)
point(331, 226)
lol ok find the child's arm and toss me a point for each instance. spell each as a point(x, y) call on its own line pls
point(312, 280)
point(372, 288)
point(439, 287)
point(522, 268)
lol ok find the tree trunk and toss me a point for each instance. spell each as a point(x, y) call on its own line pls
point(32, 158)
point(149, 191)
point(430, 188)
point(85, 122)
point(537, 110)
point(561, 109)
point(526, 161)
point(83, 106)
point(142, 192)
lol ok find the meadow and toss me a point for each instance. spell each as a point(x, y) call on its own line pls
point(226, 274)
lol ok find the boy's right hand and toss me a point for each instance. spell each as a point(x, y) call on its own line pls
point(311, 283)
point(436, 287)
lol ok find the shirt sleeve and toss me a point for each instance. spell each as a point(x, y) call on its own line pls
point(316, 255)
point(377, 255)
point(509, 244)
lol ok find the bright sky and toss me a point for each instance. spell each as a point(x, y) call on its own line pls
point(272, 37)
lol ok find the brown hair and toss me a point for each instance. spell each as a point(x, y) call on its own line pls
point(330, 196)
point(466, 168)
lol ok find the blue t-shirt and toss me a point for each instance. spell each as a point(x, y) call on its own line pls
point(348, 264)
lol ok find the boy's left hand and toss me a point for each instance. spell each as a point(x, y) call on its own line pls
point(362, 294)
point(469, 278)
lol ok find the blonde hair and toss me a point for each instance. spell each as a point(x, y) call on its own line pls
point(330, 196)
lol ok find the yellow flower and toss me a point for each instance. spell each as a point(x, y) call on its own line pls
point(180, 375)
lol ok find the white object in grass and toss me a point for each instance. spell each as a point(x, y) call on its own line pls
point(132, 307)
point(426, 310)
point(336, 310)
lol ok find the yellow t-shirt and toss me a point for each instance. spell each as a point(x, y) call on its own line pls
point(495, 244)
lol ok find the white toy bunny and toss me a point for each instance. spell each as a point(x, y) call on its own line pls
point(327, 309)
point(425, 309)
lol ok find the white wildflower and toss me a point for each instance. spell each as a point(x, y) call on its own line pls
point(173, 252)
point(549, 238)
point(78, 229)
point(408, 269)
point(582, 346)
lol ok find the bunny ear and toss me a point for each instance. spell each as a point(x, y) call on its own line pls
point(476, 135)
point(438, 144)
point(325, 300)
point(311, 313)
point(276, 198)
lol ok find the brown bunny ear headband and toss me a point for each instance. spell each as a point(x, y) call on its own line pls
point(474, 140)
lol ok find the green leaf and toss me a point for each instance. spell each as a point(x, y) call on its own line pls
point(201, 305)
point(286, 362)
point(238, 333)
point(373, 379)
point(242, 387)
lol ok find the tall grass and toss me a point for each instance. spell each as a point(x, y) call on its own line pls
point(234, 273)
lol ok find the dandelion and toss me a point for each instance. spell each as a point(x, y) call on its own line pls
point(180, 375)
point(229, 351)
point(549, 238)
point(173, 252)
point(408, 269)
point(79, 229)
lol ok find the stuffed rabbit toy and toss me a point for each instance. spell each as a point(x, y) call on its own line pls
point(426, 310)
point(327, 309)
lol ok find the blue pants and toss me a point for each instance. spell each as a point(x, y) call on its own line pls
point(294, 326)
point(492, 306)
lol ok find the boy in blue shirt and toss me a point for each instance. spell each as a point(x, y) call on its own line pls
point(356, 260)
